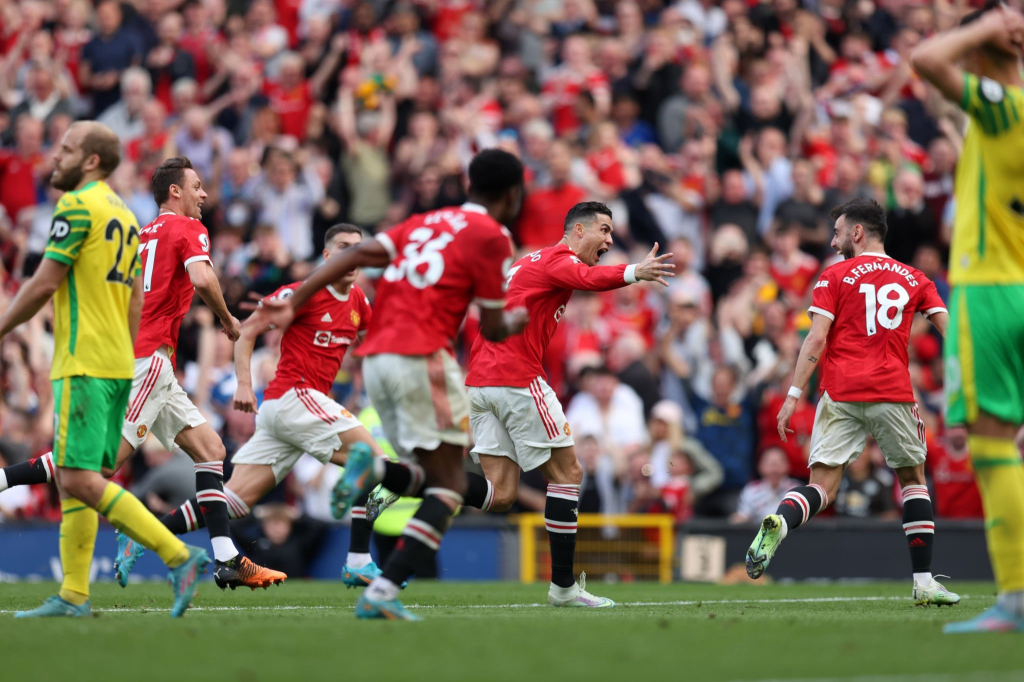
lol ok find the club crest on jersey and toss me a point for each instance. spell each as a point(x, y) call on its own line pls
point(354, 316)
point(325, 339)
point(566, 429)
point(991, 91)
point(142, 431)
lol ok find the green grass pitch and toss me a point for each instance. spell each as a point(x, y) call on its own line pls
point(305, 631)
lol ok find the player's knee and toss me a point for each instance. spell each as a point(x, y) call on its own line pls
point(503, 500)
point(107, 473)
point(213, 452)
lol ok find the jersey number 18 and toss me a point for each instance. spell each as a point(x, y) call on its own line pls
point(879, 306)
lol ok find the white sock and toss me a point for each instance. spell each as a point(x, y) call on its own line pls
point(1012, 602)
point(564, 592)
point(223, 548)
point(784, 528)
point(358, 559)
point(382, 589)
point(923, 579)
point(3, 481)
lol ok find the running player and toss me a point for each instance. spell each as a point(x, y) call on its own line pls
point(517, 421)
point(862, 309)
point(436, 264)
point(984, 353)
point(91, 263)
point(174, 250)
point(297, 415)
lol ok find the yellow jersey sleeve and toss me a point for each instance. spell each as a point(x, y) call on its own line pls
point(995, 108)
point(68, 230)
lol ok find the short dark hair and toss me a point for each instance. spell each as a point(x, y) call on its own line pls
point(341, 228)
point(170, 172)
point(584, 212)
point(867, 212)
point(971, 17)
point(493, 173)
point(102, 142)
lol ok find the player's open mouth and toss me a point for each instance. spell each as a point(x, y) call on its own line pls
point(601, 252)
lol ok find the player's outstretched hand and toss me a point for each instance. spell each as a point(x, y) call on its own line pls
point(232, 330)
point(653, 268)
point(785, 414)
point(245, 399)
point(276, 312)
point(515, 320)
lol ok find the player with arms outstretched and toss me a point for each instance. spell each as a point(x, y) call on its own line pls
point(436, 264)
point(862, 309)
point(174, 253)
point(984, 352)
point(91, 264)
point(297, 415)
point(518, 423)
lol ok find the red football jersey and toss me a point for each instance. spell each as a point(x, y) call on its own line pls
point(167, 246)
point(440, 262)
point(871, 300)
point(315, 343)
point(542, 281)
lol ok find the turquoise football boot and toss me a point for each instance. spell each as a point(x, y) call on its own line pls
point(361, 577)
point(55, 607)
point(357, 479)
point(391, 609)
point(128, 552)
point(185, 579)
point(995, 619)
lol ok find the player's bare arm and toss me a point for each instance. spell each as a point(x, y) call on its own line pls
point(245, 398)
point(33, 295)
point(369, 254)
point(810, 353)
point(497, 324)
point(135, 308)
point(204, 279)
point(937, 59)
point(939, 321)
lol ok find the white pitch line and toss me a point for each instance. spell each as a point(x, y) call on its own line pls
point(976, 676)
point(693, 602)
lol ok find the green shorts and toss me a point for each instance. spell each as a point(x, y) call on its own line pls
point(87, 420)
point(984, 353)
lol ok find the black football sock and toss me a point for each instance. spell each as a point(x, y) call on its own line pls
point(361, 530)
point(919, 526)
point(421, 538)
point(479, 492)
point(184, 519)
point(35, 470)
point(404, 478)
point(800, 504)
point(213, 504)
point(560, 520)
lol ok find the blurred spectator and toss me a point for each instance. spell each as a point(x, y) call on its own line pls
point(43, 99)
point(867, 489)
point(734, 208)
point(168, 61)
point(541, 222)
point(794, 270)
point(627, 358)
point(24, 169)
point(279, 536)
point(105, 58)
point(169, 481)
point(769, 174)
point(763, 496)
point(911, 223)
point(125, 116)
point(284, 196)
point(609, 410)
point(668, 441)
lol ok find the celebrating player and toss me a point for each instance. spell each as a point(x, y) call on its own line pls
point(984, 353)
point(174, 250)
point(437, 263)
point(517, 421)
point(297, 415)
point(862, 309)
point(91, 263)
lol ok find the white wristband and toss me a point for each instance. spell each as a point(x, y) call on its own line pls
point(630, 274)
point(795, 392)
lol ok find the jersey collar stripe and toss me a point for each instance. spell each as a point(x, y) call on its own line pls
point(549, 426)
point(311, 405)
point(147, 387)
point(471, 207)
point(439, 391)
point(876, 254)
point(337, 294)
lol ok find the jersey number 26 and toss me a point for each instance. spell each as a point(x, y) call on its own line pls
point(422, 262)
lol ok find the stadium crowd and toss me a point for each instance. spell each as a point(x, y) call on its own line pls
point(724, 131)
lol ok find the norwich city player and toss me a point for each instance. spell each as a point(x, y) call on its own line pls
point(91, 264)
point(984, 349)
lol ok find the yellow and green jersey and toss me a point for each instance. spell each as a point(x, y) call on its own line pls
point(97, 236)
point(988, 232)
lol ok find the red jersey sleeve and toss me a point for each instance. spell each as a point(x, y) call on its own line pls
point(284, 292)
point(930, 302)
point(569, 272)
point(826, 290)
point(194, 243)
point(365, 311)
point(489, 267)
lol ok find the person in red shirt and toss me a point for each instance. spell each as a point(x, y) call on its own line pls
point(576, 74)
point(21, 168)
point(435, 264)
point(539, 222)
point(150, 149)
point(956, 491)
point(518, 423)
point(862, 310)
point(792, 269)
point(292, 95)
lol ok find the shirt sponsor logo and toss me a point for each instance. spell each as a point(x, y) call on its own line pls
point(822, 283)
point(324, 339)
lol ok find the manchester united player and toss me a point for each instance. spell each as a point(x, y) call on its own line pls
point(436, 264)
point(297, 415)
point(862, 309)
point(174, 250)
point(517, 421)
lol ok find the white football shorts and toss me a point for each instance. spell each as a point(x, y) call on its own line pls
point(158, 404)
point(421, 400)
point(523, 424)
point(302, 420)
point(841, 430)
